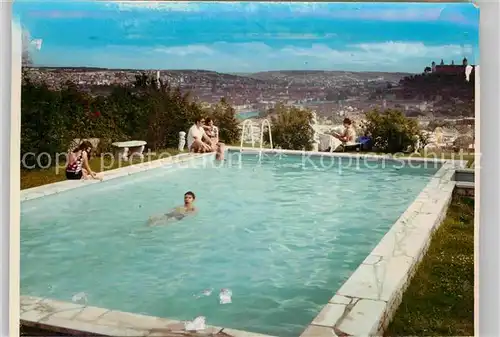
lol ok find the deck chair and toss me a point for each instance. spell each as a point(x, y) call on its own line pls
point(361, 143)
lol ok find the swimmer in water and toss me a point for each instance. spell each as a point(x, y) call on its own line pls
point(180, 212)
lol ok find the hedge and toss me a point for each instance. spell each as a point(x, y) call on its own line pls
point(147, 110)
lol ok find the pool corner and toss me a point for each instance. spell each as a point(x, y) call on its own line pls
point(367, 301)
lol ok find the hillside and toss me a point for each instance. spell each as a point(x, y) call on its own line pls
point(450, 94)
point(298, 74)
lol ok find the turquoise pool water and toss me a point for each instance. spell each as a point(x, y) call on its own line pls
point(282, 235)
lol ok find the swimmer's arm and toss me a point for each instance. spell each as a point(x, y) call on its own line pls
point(167, 215)
point(152, 220)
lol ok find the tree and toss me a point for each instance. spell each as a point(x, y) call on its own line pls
point(391, 130)
point(291, 128)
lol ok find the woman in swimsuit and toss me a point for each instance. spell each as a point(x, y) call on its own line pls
point(78, 163)
point(211, 130)
point(213, 133)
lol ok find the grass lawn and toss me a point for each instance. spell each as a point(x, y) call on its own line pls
point(38, 177)
point(440, 298)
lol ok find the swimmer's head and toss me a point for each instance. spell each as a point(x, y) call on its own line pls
point(189, 198)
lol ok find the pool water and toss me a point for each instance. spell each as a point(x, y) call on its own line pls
point(281, 233)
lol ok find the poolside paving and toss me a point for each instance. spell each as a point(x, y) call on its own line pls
point(72, 318)
point(54, 188)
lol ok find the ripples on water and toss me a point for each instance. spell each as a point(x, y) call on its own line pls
point(281, 236)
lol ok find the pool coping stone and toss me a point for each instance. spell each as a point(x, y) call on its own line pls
point(77, 319)
point(350, 155)
point(66, 185)
point(363, 306)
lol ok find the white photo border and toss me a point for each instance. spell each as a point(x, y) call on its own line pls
point(487, 235)
point(488, 180)
point(6, 317)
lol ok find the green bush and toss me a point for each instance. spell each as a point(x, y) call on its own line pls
point(291, 128)
point(391, 130)
point(148, 110)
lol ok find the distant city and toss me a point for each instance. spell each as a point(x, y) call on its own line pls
point(330, 93)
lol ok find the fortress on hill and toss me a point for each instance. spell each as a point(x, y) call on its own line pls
point(452, 69)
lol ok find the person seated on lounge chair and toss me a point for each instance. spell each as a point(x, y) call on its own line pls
point(349, 135)
point(197, 140)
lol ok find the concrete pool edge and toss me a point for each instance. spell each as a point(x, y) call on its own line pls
point(360, 155)
point(66, 185)
point(78, 319)
point(367, 301)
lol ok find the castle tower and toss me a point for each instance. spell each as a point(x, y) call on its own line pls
point(465, 62)
point(433, 66)
point(452, 62)
point(442, 63)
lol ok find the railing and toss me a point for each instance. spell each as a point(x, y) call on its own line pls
point(247, 125)
point(264, 122)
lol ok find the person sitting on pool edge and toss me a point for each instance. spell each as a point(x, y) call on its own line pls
point(211, 130)
point(78, 163)
point(197, 139)
point(213, 133)
point(179, 213)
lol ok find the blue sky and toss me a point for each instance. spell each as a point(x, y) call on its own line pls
point(250, 37)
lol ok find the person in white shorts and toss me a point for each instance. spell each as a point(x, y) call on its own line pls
point(196, 137)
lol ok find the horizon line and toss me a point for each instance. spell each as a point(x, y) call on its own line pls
point(216, 71)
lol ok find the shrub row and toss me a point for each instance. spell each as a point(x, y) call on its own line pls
point(148, 110)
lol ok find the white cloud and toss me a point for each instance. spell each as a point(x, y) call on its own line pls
point(367, 54)
point(258, 56)
point(386, 52)
point(186, 50)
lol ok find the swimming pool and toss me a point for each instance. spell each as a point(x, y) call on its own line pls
point(282, 233)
